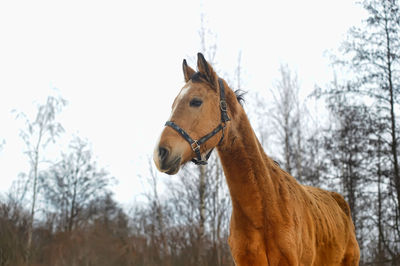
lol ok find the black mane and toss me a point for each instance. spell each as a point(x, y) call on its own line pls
point(198, 77)
point(240, 96)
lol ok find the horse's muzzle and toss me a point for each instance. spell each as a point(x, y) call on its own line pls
point(165, 162)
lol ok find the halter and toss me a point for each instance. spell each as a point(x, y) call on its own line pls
point(195, 144)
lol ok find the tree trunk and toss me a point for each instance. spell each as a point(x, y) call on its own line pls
point(32, 216)
point(73, 208)
point(202, 213)
point(34, 195)
point(380, 253)
point(393, 122)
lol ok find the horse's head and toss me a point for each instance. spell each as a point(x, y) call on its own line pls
point(197, 120)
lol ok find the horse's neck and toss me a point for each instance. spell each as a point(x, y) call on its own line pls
point(249, 173)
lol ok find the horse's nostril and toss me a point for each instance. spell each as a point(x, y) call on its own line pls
point(163, 153)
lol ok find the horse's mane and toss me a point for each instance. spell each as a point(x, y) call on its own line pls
point(240, 96)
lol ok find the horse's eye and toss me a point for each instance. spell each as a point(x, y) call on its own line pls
point(195, 102)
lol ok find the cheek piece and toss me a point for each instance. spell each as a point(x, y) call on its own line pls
point(195, 144)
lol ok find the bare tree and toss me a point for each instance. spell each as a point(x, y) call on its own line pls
point(286, 120)
point(371, 55)
point(156, 220)
point(219, 208)
point(37, 134)
point(73, 182)
point(205, 233)
point(208, 44)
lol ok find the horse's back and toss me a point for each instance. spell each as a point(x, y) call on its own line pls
point(342, 203)
point(327, 200)
point(335, 233)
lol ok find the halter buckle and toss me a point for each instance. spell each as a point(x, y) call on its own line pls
point(195, 146)
point(223, 105)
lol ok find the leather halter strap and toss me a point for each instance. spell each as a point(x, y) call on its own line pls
point(195, 144)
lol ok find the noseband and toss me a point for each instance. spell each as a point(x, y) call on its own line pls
point(195, 144)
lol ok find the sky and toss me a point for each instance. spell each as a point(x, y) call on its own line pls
point(119, 66)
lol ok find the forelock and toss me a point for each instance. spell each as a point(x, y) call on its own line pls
point(198, 77)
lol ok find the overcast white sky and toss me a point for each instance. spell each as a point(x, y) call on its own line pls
point(118, 63)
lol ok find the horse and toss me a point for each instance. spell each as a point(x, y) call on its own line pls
point(275, 220)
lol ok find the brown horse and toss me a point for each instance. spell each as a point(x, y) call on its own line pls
point(275, 220)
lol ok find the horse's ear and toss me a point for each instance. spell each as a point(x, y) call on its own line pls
point(206, 69)
point(187, 70)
